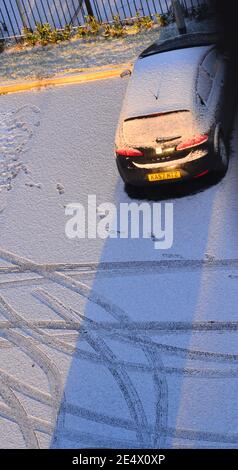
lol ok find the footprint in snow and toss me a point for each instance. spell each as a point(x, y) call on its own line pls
point(60, 188)
point(33, 185)
point(16, 130)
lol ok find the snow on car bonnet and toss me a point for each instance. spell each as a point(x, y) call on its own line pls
point(163, 82)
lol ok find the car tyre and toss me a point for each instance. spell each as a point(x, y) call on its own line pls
point(221, 151)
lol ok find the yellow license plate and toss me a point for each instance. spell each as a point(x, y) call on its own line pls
point(165, 175)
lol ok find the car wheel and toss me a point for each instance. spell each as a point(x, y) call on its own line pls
point(221, 151)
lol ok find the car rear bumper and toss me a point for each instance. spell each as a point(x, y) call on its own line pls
point(188, 169)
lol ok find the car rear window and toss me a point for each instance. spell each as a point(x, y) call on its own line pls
point(144, 130)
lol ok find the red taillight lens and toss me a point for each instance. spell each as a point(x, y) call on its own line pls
point(200, 139)
point(202, 174)
point(129, 152)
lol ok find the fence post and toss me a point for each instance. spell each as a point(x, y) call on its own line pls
point(22, 13)
point(179, 16)
point(89, 7)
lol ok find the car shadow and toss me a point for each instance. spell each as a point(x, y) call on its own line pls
point(172, 191)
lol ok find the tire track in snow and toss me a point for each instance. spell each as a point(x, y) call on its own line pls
point(129, 425)
point(32, 350)
point(186, 434)
point(94, 297)
point(157, 368)
point(182, 371)
point(26, 389)
point(138, 327)
point(130, 332)
point(65, 281)
point(131, 338)
point(38, 424)
point(130, 267)
point(107, 358)
point(20, 415)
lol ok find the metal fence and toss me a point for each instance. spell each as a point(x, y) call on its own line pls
point(15, 14)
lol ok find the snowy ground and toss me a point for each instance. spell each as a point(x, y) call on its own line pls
point(157, 365)
point(76, 55)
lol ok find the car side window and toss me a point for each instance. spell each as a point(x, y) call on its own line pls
point(210, 63)
point(206, 76)
point(204, 85)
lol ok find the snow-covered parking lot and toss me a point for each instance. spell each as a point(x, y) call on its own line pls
point(109, 343)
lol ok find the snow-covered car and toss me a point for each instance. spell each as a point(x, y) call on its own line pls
point(177, 112)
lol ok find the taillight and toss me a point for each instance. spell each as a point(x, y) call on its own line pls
point(202, 174)
point(200, 139)
point(129, 152)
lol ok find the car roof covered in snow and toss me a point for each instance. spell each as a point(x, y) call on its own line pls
point(164, 83)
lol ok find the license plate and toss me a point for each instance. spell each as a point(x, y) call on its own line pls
point(165, 175)
point(166, 150)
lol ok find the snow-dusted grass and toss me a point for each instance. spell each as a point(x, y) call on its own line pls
point(78, 54)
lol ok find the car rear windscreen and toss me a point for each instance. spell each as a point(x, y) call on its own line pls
point(146, 131)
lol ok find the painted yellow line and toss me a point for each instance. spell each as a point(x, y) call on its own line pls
point(83, 77)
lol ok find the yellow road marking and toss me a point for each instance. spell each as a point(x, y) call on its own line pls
point(83, 77)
